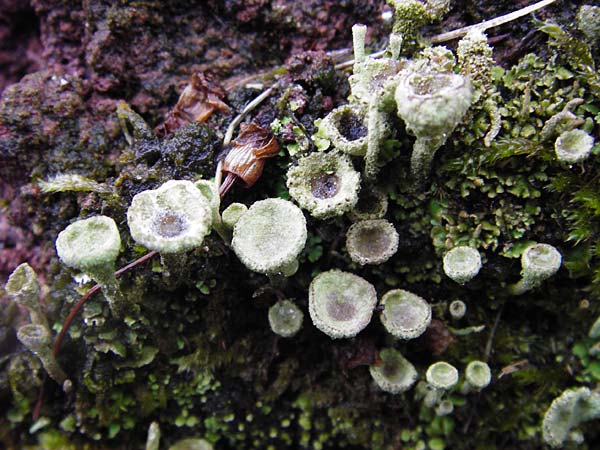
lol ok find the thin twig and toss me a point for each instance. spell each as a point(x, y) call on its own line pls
point(488, 345)
point(497, 21)
point(75, 309)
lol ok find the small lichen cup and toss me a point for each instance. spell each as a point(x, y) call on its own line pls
point(573, 146)
point(442, 375)
point(477, 376)
point(371, 241)
point(92, 246)
point(38, 340)
point(538, 262)
point(23, 287)
point(393, 373)
point(285, 318)
point(462, 263)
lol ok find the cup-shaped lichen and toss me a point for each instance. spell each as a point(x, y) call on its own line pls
point(174, 218)
point(371, 241)
point(346, 128)
point(23, 287)
point(372, 204)
point(566, 412)
point(232, 214)
point(457, 309)
point(341, 303)
point(393, 373)
point(462, 263)
point(325, 184)
point(573, 146)
point(442, 375)
point(478, 375)
point(285, 318)
point(431, 104)
point(405, 315)
point(269, 237)
point(38, 340)
point(538, 262)
point(92, 246)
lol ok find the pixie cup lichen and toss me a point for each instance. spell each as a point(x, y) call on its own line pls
point(405, 315)
point(23, 287)
point(442, 375)
point(462, 263)
point(538, 262)
point(371, 241)
point(566, 412)
point(285, 318)
point(573, 146)
point(92, 246)
point(174, 218)
point(341, 303)
point(431, 104)
point(232, 214)
point(269, 237)
point(325, 184)
point(345, 127)
point(38, 340)
point(393, 373)
point(477, 376)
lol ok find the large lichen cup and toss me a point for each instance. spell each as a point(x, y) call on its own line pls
point(431, 104)
point(92, 246)
point(174, 218)
point(269, 237)
point(405, 315)
point(393, 373)
point(341, 303)
point(566, 412)
point(325, 184)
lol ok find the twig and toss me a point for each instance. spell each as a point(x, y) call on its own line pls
point(497, 21)
point(488, 345)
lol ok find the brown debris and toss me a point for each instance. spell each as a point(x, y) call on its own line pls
point(246, 158)
point(198, 101)
point(437, 338)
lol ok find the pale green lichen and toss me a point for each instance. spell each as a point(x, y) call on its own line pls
point(405, 315)
point(325, 184)
point(371, 241)
point(442, 375)
point(285, 318)
point(457, 309)
point(462, 263)
point(478, 375)
point(23, 287)
point(393, 373)
point(38, 340)
point(538, 262)
point(431, 104)
point(341, 303)
point(269, 237)
point(345, 127)
point(573, 146)
point(566, 412)
point(372, 204)
point(174, 218)
point(92, 246)
point(232, 214)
